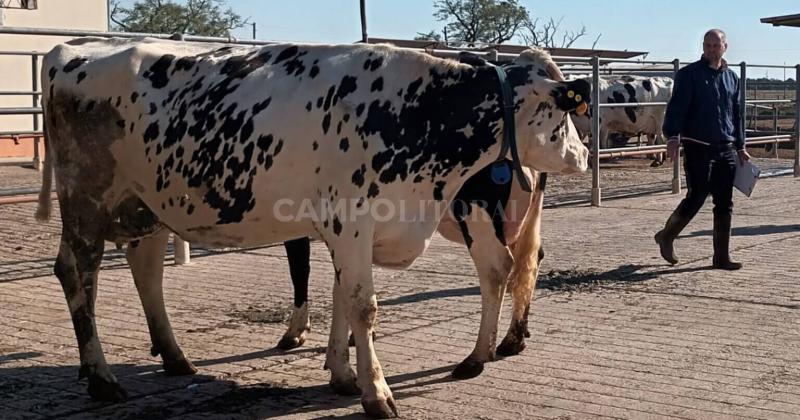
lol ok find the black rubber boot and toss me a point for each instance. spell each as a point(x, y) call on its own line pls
point(665, 237)
point(722, 238)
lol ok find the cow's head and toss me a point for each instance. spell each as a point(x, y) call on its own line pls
point(547, 138)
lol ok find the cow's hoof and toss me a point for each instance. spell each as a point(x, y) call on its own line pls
point(510, 347)
point(101, 389)
point(380, 409)
point(467, 369)
point(289, 342)
point(347, 387)
point(179, 367)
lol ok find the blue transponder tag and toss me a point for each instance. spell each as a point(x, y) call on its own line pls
point(501, 173)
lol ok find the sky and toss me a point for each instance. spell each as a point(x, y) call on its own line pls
point(665, 29)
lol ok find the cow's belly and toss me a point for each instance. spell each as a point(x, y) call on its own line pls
point(398, 246)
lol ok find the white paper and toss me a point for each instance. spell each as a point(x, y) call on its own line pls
point(746, 176)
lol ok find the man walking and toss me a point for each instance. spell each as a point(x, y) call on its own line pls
point(704, 111)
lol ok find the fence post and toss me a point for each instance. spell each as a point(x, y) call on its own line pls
point(676, 164)
point(37, 156)
point(596, 195)
point(797, 120)
point(182, 252)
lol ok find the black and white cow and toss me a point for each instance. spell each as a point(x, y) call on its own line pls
point(630, 121)
point(501, 226)
point(234, 146)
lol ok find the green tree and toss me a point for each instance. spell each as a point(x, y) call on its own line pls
point(481, 21)
point(191, 17)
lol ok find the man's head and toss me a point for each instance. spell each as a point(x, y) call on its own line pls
point(715, 43)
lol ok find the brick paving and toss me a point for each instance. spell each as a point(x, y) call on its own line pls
point(616, 333)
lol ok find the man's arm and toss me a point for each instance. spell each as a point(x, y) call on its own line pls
point(678, 106)
point(738, 129)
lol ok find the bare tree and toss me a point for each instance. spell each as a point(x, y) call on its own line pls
point(549, 34)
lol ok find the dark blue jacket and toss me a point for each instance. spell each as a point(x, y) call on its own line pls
point(705, 105)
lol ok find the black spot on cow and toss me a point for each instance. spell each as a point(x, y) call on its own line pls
point(308, 106)
point(411, 91)
point(631, 114)
point(326, 123)
point(373, 64)
point(373, 190)
point(260, 106)
point(314, 145)
point(151, 132)
point(360, 110)
point(631, 92)
point(358, 176)
point(418, 179)
point(184, 64)
point(346, 86)
point(190, 209)
point(346, 117)
point(618, 97)
point(74, 64)
point(344, 144)
point(337, 225)
point(153, 108)
point(438, 190)
point(647, 85)
point(356, 235)
point(314, 71)
point(157, 74)
point(364, 144)
point(286, 54)
point(52, 73)
point(377, 85)
point(81, 76)
point(121, 123)
point(316, 171)
point(118, 102)
point(329, 98)
point(553, 137)
point(319, 102)
point(134, 97)
point(278, 147)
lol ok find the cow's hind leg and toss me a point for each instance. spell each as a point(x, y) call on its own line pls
point(493, 262)
point(528, 255)
point(146, 258)
point(298, 251)
point(77, 265)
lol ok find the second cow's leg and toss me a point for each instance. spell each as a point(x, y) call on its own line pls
point(298, 252)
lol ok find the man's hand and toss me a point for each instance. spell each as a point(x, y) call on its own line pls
point(743, 156)
point(672, 149)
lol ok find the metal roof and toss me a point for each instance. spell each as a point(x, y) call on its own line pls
point(785, 20)
point(510, 49)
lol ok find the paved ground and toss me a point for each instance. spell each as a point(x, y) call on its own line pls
point(616, 333)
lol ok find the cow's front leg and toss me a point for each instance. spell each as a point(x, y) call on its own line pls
point(146, 258)
point(493, 262)
point(354, 295)
point(298, 252)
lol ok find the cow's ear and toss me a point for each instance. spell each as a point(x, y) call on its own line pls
point(471, 59)
point(573, 95)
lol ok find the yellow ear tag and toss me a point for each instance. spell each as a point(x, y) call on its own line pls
point(582, 108)
point(570, 94)
point(578, 98)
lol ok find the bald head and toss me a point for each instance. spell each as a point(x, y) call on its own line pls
point(714, 46)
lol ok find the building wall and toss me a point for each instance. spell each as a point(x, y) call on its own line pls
point(16, 72)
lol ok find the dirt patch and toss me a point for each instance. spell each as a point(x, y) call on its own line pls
point(319, 313)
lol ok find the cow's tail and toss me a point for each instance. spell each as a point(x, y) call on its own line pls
point(45, 206)
point(528, 249)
